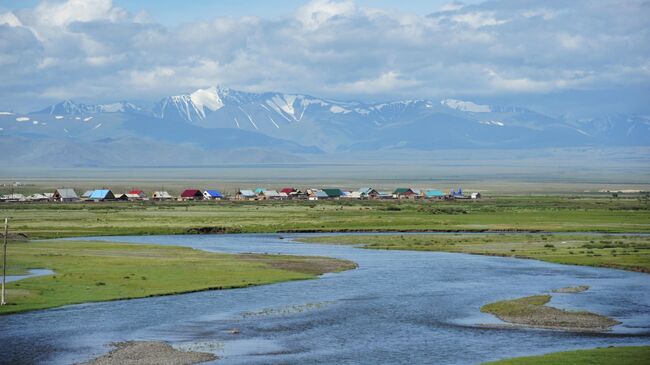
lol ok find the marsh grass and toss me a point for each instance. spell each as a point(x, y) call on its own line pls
point(631, 252)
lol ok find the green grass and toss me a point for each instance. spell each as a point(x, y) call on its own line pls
point(98, 271)
point(620, 252)
point(632, 355)
point(545, 213)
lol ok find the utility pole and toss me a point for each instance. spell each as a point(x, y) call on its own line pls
point(4, 262)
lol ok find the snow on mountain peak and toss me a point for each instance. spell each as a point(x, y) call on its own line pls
point(466, 106)
point(206, 98)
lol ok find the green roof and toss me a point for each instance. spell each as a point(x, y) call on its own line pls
point(402, 190)
point(333, 193)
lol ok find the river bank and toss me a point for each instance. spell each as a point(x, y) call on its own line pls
point(101, 271)
point(627, 252)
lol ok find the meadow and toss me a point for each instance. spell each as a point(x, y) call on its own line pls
point(505, 213)
point(101, 271)
point(631, 355)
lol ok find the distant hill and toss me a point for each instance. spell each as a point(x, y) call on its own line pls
point(224, 125)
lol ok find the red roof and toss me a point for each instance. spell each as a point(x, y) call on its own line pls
point(137, 192)
point(189, 193)
point(287, 190)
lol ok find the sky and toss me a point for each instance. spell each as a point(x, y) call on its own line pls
point(555, 56)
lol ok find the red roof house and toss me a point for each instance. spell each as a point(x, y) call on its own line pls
point(192, 194)
point(139, 193)
point(288, 190)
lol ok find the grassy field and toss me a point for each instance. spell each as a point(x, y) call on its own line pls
point(621, 252)
point(532, 311)
point(632, 355)
point(559, 214)
point(98, 271)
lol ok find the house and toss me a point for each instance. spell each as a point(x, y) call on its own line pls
point(270, 195)
point(37, 198)
point(212, 195)
point(288, 190)
point(457, 194)
point(13, 198)
point(476, 196)
point(161, 195)
point(316, 195)
point(65, 195)
point(121, 196)
point(101, 195)
point(132, 197)
point(367, 193)
point(191, 194)
point(293, 193)
point(404, 193)
point(333, 193)
point(259, 191)
point(87, 194)
point(141, 194)
point(434, 194)
point(245, 195)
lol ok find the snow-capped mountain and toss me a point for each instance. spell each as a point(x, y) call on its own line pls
point(278, 124)
point(70, 108)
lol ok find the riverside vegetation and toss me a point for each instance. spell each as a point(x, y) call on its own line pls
point(612, 251)
point(538, 213)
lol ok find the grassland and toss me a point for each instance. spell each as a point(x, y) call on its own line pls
point(532, 311)
point(621, 252)
point(558, 214)
point(631, 355)
point(98, 271)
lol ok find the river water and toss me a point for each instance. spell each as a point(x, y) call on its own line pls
point(398, 307)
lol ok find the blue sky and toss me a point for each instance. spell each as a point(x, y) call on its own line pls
point(177, 12)
point(556, 56)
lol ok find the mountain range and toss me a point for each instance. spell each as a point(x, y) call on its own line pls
point(217, 125)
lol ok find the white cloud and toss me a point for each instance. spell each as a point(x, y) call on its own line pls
point(63, 13)
point(10, 20)
point(338, 49)
point(385, 83)
point(319, 12)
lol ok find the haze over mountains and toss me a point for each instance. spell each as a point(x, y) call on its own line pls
point(216, 125)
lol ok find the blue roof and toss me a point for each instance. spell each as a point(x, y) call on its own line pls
point(434, 193)
point(99, 194)
point(214, 193)
point(259, 190)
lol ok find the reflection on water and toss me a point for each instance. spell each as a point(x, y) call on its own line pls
point(398, 307)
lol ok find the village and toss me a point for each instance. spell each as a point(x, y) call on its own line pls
point(68, 195)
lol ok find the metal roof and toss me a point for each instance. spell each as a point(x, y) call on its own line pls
point(102, 194)
point(333, 193)
point(214, 193)
point(67, 193)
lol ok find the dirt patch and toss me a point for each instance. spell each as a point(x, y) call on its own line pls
point(572, 289)
point(308, 265)
point(149, 353)
point(532, 312)
point(15, 236)
point(213, 230)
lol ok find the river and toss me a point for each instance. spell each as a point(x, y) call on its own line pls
point(398, 307)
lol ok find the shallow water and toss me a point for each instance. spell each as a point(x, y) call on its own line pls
point(32, 274)
point(398, 307)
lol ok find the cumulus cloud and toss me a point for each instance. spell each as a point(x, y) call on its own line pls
point(95, 50)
